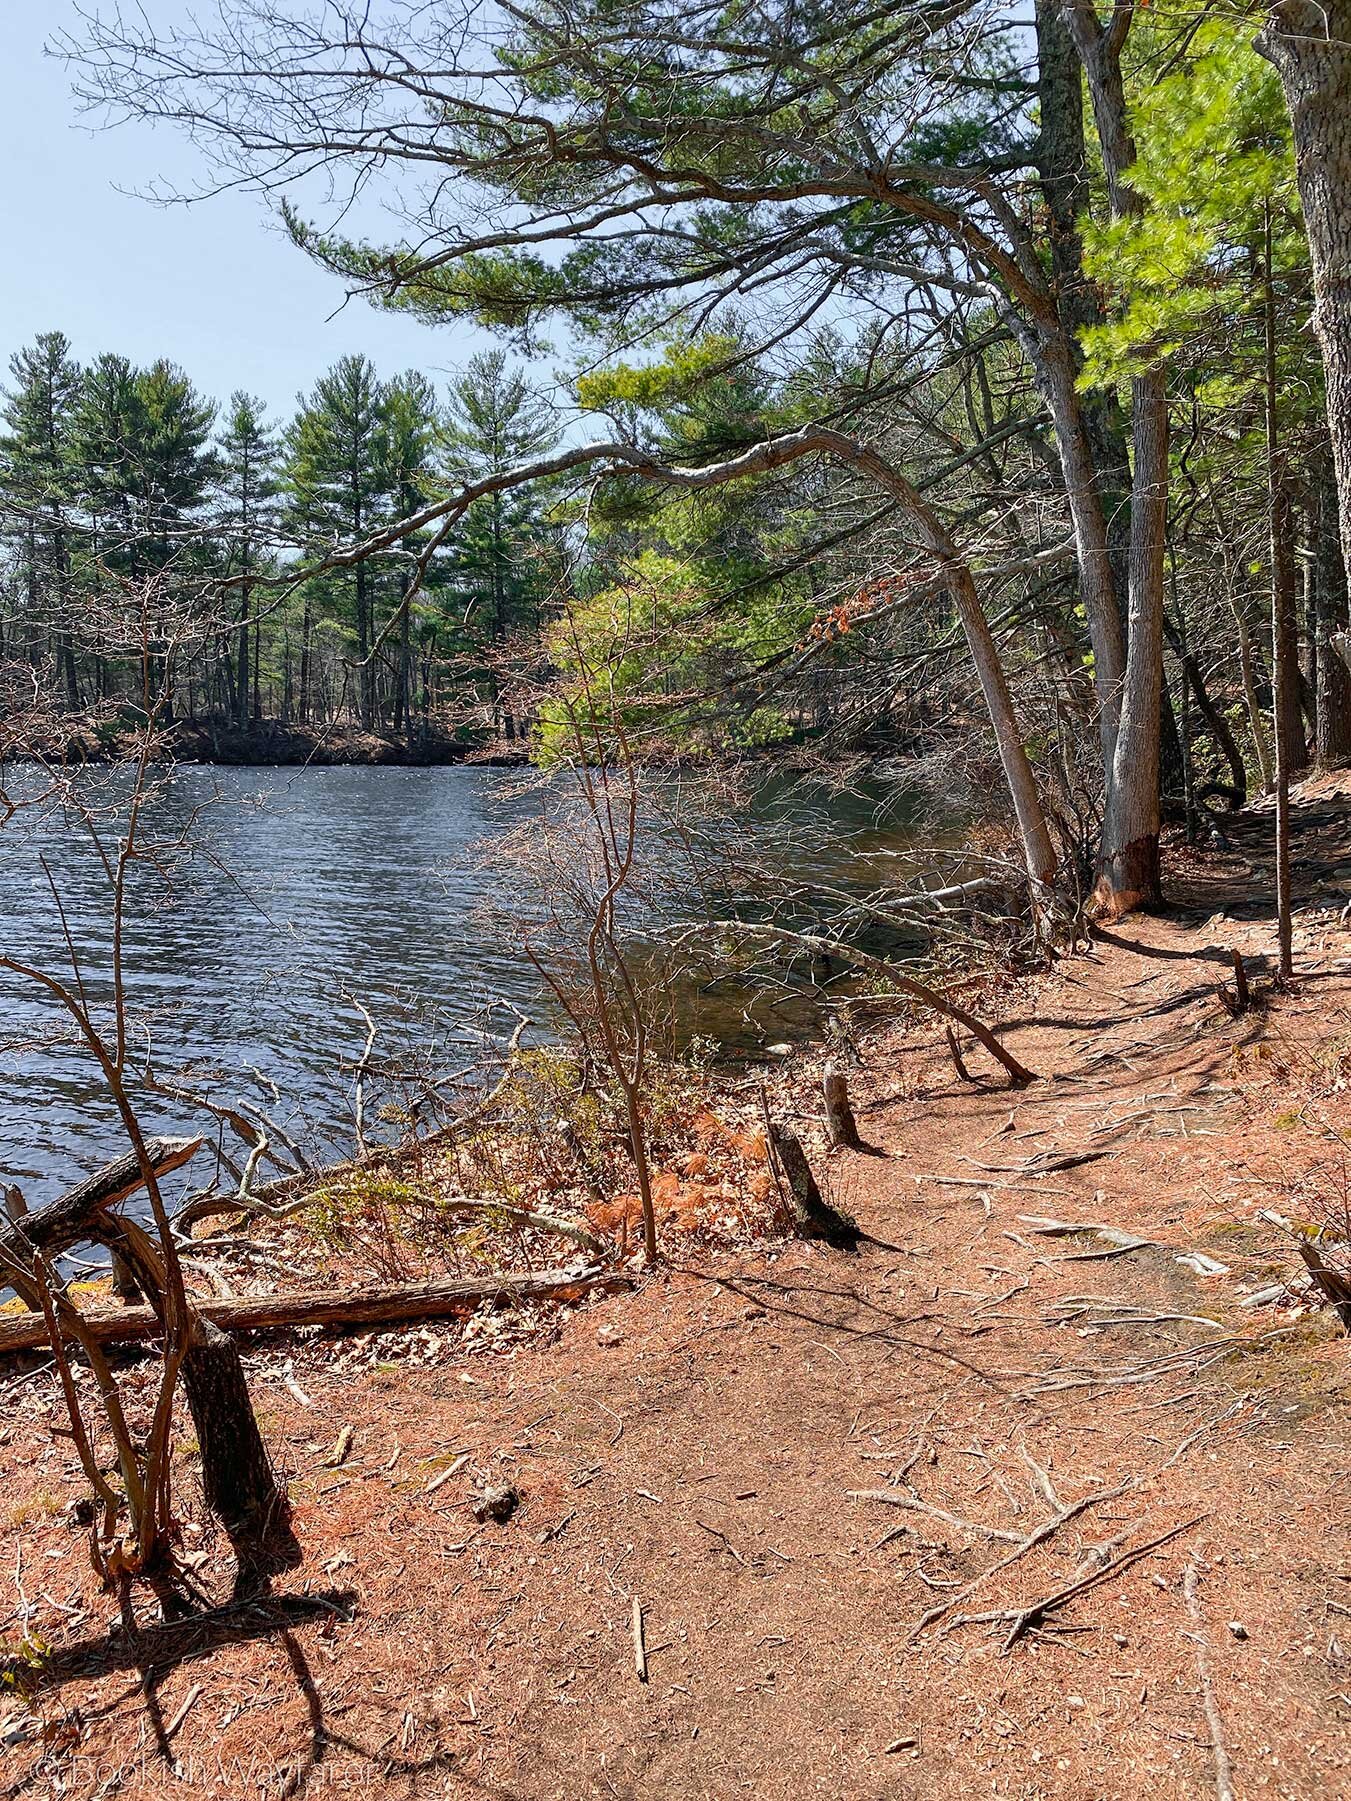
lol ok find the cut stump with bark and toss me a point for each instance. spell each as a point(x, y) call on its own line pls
point(811, 1213)
point(841, 1127)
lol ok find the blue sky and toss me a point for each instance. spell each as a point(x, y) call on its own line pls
point(212, 286)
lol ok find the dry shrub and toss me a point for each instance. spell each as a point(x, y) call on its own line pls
point(718, 1192)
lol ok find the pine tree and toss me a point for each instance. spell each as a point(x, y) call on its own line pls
point(35, 471)
point(338, 480)
point(495, 420)
point(175, 460)
point(248, 488)
point(107, 454)
point(141, 466)
point(412, 427)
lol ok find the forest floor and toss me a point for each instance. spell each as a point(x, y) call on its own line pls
point(1034, 1411)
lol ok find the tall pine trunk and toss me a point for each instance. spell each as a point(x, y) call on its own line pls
point(1088, 429)
point(306, 659)
point(1129, 870)
point(242, 664)
point(1309, 41)
point(366, 673)
point(1330, 619)
point(1128, 864)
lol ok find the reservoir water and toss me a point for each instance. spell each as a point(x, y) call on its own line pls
point(300, 891)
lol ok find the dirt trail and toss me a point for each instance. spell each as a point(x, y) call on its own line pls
point(1040, 1409)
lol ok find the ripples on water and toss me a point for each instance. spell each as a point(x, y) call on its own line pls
point(304, 886)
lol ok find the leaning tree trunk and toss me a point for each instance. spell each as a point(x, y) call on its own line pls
point(1219, 726)
point(1038, 852)
point(812, 1215)
point(238, 1481)
point(1309, 41)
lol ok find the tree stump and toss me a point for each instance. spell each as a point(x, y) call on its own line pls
point(841, 1126)
point(811, 1213)
point(1241, 992)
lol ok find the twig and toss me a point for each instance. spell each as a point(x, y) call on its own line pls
point(359, 1080)
point(1039, 1537)
point(1022, 1620)
point(185, 1707)
point(639, 1647)
point(1224, 1785)
point(715, 1533)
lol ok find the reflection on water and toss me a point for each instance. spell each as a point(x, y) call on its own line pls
point(304, 887)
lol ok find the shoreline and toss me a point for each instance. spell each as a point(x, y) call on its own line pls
point(273, 745)
point(740, 1433)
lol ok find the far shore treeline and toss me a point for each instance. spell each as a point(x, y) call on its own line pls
point(119, 483)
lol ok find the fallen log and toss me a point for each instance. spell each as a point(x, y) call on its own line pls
point(349, 1307)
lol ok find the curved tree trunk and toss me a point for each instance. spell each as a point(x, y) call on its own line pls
point(1214, 718)
point(1034, 833)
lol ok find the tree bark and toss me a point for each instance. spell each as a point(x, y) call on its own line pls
point(243, 658)
point(1291, 753)
point(1309, 42)
point(1129, 871)
point(812, 1214)
point(841, 1126)
point(239, 1483)
point(1087, 427)
point(1333, 744)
